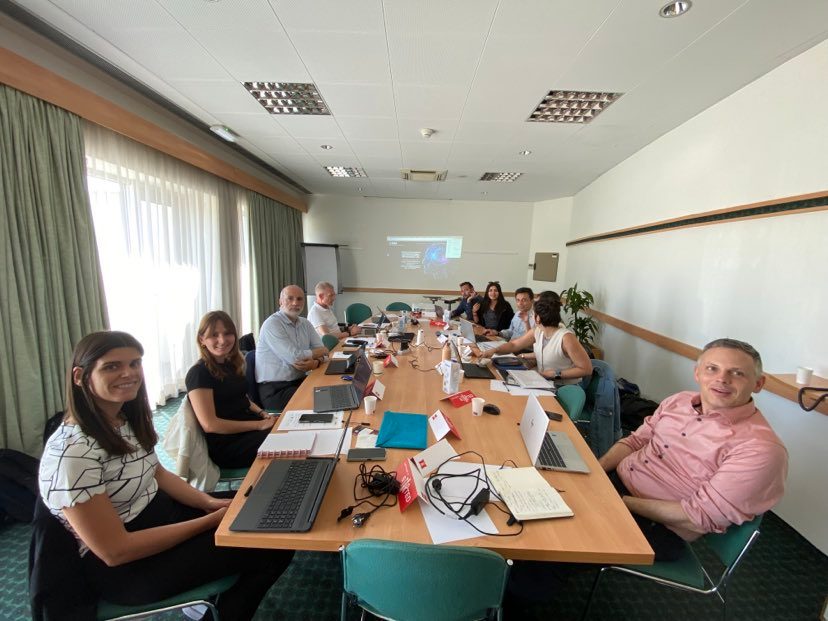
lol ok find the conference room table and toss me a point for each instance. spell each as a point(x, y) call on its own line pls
point(601, 530)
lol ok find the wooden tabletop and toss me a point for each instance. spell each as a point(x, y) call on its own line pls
point(602, 530)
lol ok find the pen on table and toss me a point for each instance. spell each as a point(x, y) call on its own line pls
point(256, 482)
point(506, 386)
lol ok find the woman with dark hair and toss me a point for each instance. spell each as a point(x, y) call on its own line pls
point(234, 426)
point(494, 312)
point(555, 350)
point(143, 534)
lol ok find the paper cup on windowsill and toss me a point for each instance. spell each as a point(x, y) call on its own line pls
point(804, 375)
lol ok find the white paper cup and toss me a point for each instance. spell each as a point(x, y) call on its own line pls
point(379, 367)
point(477, 406)
point(370, 404)
point(462, 375)
point(804, 374)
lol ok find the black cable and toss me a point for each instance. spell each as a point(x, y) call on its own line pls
point(378, 483)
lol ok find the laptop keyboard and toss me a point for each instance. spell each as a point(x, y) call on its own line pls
point(283, 508)
point(549, 454)
point(341, 399)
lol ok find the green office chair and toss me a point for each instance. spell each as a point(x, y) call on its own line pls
point(204, 595)
point(231, 476)
point(687, 573)
point(398, 306)
point(329, 341)
point(417, 582)
point(572, 398)
point(357, 313)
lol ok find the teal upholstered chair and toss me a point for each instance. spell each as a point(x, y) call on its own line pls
point(205, 595)
point(329, 341)
point(357, 313)
point(687, 573)
point(572, 398)
point(398, 306)
point(416, 582)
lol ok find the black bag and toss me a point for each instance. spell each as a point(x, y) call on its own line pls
point(626, 387)
point(18, 485)
point(634, 410)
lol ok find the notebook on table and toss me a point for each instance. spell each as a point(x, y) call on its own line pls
point(344, 396)
point(467, 331)
point(288, 494)
point(548, 450)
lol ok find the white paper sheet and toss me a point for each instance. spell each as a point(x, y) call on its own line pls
point(339, 355)
point(367, 438)
point(444, 529)
point(517, 391)
point(290, 421)
point(327, 441)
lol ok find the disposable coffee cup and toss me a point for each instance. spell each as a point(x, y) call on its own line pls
point(379, 367)
point(477, 406)
point(462, 375)
point(804, 375)
point(370, 404)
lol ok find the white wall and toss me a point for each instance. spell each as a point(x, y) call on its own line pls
point(762, 280)
point(551, 222)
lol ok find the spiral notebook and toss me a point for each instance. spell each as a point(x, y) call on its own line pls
point(291, 444)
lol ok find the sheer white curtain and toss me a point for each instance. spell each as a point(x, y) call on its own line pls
point(169, 242)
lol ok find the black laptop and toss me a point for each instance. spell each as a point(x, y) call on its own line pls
point(288, 495)
point(475, 371)
point(341, 366)
point(344, 396)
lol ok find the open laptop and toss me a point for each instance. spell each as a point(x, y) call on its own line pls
point(341, 366)
point(344, 396)
point(467, 331)
point(474, 371)
point(378, 320)
point(288, 494)
point(548, 450)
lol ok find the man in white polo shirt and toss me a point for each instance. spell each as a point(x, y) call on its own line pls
point(321, 314)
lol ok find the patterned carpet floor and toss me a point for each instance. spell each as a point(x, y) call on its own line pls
point(783, 577)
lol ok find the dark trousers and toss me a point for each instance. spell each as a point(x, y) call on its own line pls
point(189, 564)
point(275, 395)
point(234, 450)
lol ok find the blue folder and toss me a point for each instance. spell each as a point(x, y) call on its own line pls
point(399, 430)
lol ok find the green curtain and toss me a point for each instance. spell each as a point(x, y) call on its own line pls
point(275, 253)
point(50, 283)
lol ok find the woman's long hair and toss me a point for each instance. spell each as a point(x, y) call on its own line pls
point(501, 306)
point(80, 402)
point(234, 358)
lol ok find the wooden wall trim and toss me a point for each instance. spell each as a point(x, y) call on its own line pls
point(28, 77)
point(779, 384)
point(792, 205)
point(444, 292)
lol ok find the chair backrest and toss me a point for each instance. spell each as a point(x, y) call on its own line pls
point(730, 545)
point(250, 377)
point(398, 306)
point(247, 343)
point(572, 398)
point(424, 582)
point(357, 313)
point(329, 341)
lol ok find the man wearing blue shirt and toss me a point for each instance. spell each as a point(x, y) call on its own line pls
point(288, 348)
point(524, 319)
point(470, 298)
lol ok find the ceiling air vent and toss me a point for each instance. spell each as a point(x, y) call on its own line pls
point(423, 175)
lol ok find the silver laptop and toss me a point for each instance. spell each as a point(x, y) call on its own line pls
point(467, 331)
point(548, 450)
point(344, 396)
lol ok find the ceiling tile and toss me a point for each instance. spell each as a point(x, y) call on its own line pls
point(363, 16)
point(238, 14)
point(256, 124)
point(439, 102)
point(376, 148)
point(218, 96)
point(365, 128)
point(358, 99)
point(173, 55)
point(435, 58)
point(453, 18)
point(314, 126)
point(343, 56)
point(107, 16)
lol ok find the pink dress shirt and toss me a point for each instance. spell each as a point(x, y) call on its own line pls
point(724, 466)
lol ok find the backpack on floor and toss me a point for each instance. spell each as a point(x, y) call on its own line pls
point(634, 410)
point(18, 486)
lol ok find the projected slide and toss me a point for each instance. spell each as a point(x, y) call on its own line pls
point(433, 257)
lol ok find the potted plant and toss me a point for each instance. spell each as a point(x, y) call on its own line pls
point(584, 326)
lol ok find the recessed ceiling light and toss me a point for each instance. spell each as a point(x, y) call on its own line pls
point(571, 106)
point(345, 171)
point(327, 147)
point(505, 177)
point(288, 97)
point(674, 9)
point(524, 152)
point(225, 132)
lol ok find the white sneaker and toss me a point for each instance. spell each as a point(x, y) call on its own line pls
point(196, 612)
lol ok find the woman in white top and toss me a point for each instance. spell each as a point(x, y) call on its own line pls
point(143, 534)
point(555, 350)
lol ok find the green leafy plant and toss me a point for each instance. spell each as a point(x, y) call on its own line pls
point(584, 326)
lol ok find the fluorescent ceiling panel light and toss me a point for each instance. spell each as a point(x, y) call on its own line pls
point(288, 97)
point(505, 177)
point(345, 171)
point(571, 106)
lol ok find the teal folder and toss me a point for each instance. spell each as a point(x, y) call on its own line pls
point(400, 430)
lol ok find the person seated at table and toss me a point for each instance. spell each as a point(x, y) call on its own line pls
point(704, 460)
point(288, 348)
point(556, 352)
point(234, 426)
point(469, 298)
point(493, 312)
point(321, 313)
point(143, 534)
point(524, 319)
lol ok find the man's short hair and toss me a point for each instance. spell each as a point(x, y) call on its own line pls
point(525, 290)
point(739, 345)
point(323, 286)
point(466, 284)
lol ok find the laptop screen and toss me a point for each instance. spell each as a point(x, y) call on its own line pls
point(533, 427)
point(467, 330)
point(362, 374)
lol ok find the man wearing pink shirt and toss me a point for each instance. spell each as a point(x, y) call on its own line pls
point(705, 460)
